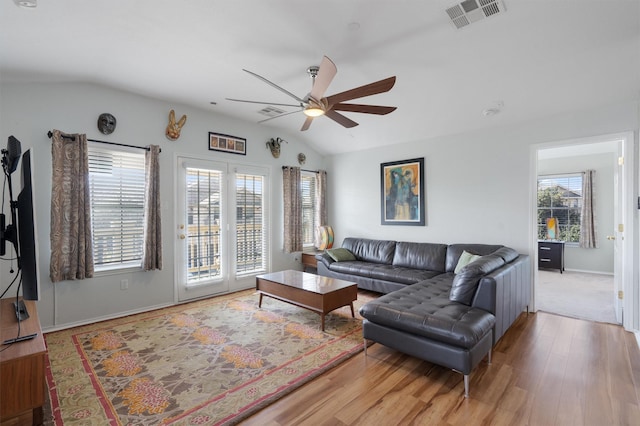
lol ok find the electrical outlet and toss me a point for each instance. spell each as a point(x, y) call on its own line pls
point(296, 257)
point(124, 284)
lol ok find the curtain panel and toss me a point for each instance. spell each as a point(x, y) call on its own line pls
point(292, 209)
point(152, 252)
point(321, 203)
point(71, 239)
point(588, 235)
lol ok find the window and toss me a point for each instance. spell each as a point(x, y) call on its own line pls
point(203, 196)
point(308, 208)
point(116, 185)
point(560, 196)
point(250, 224)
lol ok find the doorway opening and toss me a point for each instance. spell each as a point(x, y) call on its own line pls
point(592, 279)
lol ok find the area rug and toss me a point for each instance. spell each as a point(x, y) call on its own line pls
point(215, 361)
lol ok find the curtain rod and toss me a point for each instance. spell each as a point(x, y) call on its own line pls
point(304, 170)
point(50, 134)
point(562, 174)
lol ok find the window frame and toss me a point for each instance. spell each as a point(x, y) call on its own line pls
point(263, 175)
point(557, 179)
point(134, 263)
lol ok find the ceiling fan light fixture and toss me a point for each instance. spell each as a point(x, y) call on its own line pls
point(312, 111)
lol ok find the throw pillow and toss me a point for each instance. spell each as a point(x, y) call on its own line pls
point(340, 254)
point(465, 259)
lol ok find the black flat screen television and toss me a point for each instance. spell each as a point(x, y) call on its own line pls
point(21, 232)
point(27, 233)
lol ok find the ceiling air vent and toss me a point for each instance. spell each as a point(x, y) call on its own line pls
point(271, 111)
point(470, 11)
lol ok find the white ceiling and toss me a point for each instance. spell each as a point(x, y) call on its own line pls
point(539, 58)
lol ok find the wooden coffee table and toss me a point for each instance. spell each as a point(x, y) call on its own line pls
point(313, 292)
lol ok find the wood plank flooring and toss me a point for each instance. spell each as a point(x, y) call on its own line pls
point(546, 370)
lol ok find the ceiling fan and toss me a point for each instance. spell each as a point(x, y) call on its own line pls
point(315, 104)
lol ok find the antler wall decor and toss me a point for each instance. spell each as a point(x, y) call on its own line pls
point(274, 146)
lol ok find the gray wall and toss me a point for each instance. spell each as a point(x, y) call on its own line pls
point(478, 185)
point(601, 258)
point(29, 111)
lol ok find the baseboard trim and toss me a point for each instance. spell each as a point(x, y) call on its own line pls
point(106, 317)
point(637, 334)
point(589, 272)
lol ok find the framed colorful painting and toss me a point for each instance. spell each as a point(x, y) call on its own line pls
point(402, 192)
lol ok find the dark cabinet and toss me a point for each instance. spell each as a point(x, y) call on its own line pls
point(551, 255)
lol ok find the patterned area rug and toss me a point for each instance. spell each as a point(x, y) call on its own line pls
point(215, 361)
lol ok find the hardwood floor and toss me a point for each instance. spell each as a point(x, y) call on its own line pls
point(546, 370)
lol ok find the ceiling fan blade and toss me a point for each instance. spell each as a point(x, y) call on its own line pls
point(274, 85)
point(340, 119)
point(325, 75)
point(365, 109)
point(362, 91)
point(306, 124)
point(263, 103)
point(278, 116)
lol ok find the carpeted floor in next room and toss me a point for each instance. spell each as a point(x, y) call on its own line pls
point(213, 361)
point(576, 294)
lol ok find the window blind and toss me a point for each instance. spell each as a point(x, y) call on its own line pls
point(204, 210)
point(250, 224)
point(308, 182)
point(117, 184)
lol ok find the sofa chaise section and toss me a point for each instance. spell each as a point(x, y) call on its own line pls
point(421, 321)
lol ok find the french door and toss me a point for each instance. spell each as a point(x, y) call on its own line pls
point(222, 232)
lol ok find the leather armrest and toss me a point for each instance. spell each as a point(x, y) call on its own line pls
point(325, 259)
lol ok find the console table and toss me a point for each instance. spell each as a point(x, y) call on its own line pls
point(22, 367)
point(551, 255)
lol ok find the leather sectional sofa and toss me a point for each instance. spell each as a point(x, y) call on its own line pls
point(434, 306)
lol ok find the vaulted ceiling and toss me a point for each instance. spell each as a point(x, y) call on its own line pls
point(534, 59)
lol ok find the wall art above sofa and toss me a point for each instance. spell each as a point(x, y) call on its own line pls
point(402, 192)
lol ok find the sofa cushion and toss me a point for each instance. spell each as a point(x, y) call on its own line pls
point(353, 267)
point(377, 251)
point(425, 310)
point(340, 254)
point(466, 281)
point(465, 259)
point(426, 256)
point(401, 274)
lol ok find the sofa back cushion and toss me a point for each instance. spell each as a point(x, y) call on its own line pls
point(507, 253)
point(426, 256)
point(376, 251)
point(454, 251)
point(465, 283)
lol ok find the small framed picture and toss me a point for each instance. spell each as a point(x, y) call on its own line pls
point(227, 143)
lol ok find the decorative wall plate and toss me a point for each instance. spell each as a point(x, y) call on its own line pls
point(302, 158)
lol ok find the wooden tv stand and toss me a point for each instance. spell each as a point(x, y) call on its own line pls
point(22, 367)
